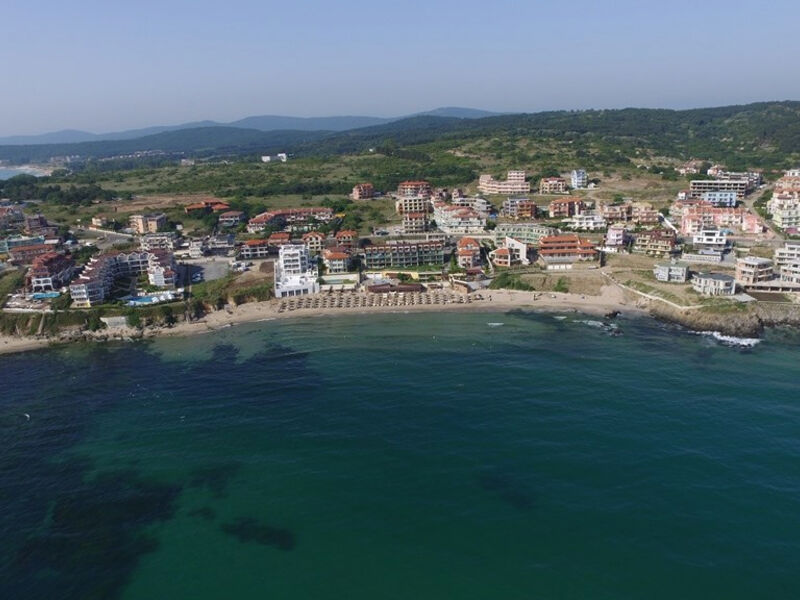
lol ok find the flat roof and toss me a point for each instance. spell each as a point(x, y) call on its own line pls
point(715, 276)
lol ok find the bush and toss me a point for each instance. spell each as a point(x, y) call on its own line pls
point(133, 318)
point(509, 281)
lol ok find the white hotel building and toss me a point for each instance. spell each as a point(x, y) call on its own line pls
point(295, 272)
point(785, 209)
point(457, 219)
point(579, 179)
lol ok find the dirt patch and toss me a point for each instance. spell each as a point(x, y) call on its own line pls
point(588, 284)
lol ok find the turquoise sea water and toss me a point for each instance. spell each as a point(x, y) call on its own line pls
point(404, 456)
point(6, 173)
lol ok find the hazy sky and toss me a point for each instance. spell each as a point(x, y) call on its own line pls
point(108, 65)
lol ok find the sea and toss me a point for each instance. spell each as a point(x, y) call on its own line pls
point(427, 456)
point(7, 173)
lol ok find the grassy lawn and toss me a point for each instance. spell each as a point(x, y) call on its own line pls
point(10, 282)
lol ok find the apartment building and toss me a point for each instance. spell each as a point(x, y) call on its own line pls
point(579, 179)
point(161, 269)
point(790, 182)
point(11, 217)
point(279, 238)
point(414, 189)
point(206, 206)
point(254, 249)
point(753, 178)
point(314, 241)
point(347, 238)
point(97, 279)
point(528, 233)
point(644, 214)
point(790, 253)
point(468, 253)
point(404, 254)
point(790, 273)
point(560, 251)
point(415, 222)
point(336, 260)
point(657, 242)
point(698, 187)
point(167, 240)
point(512, 252)
point(456, 219)
point(696, 217)
point(295, 272)
point(785, 209)
point(714, 284)
point(519, 208)
point(231, 218)
point(672, 272)
point(691, 167)
point(223, 244)
point(501, 257)
point(553, 185)
point(362, 191)
point(587, 221)
point(617, 237)
point(25, 255)
point(713, 239)
point(289, 216)
point(412, 204)
point(37, 225)
point(480, 205)
point(514, 184)
point(616, 213)
point(752, 269)
point(727, 199)
point(7, 244)
point(151, 223)
point(565, 207)
point(49, 272)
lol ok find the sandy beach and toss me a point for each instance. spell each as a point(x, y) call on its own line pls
point(611, 299)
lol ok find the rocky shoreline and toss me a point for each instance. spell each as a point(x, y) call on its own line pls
point(747, 321)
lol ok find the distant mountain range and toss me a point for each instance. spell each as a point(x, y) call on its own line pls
point(259, 123)
point(765, 134)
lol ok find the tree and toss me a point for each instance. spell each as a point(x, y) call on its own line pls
point(134, 318)
point(93, 322)
point(167, 315)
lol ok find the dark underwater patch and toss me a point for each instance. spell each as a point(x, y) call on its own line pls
point(93, 539)
point(247, 529)
point(214, 478)
point(204, 512)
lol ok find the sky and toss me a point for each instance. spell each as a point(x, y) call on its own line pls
point(106, 66)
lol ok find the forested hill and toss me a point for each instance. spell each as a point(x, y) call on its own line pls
point(199, 141)
point(761, 134)
point(766, 133)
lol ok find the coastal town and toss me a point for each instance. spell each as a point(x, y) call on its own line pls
point(727, 239)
